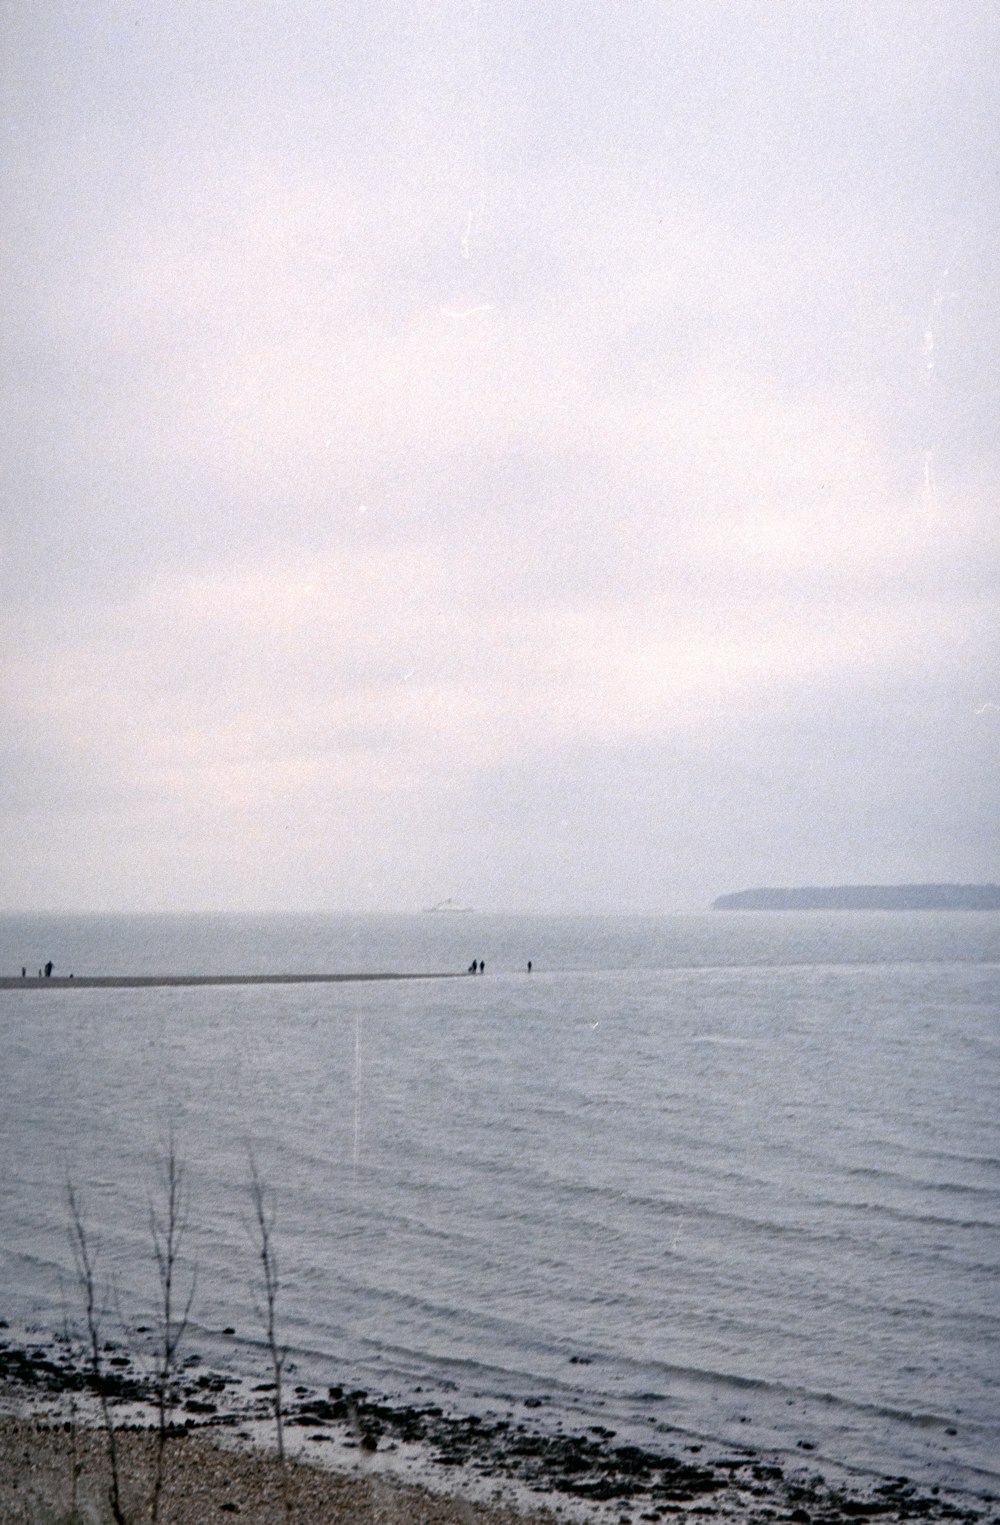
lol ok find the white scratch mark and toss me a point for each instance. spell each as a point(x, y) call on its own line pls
point(941, 295)
point(989, 708)
point(466, 312)
point(930, 488)
point(356, 1153)
point(929, 351)
point(467, 236)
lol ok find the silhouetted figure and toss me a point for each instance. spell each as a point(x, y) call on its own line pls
point(482, 966)
point(48, 970)
point(529, 966)
point(472, 967)
point(24, 972)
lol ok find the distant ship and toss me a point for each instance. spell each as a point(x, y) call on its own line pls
point(449, 906)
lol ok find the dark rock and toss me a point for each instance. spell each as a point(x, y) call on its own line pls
point(319, 1410)
point(211, 1381)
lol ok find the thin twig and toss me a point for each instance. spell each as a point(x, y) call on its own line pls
point(167, 1235)
point(76, 1465)
point(86, 1279)
point(264, 1215)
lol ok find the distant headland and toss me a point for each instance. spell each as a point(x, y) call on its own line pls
point(866, 897)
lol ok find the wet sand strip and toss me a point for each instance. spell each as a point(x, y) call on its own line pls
point(143, 981)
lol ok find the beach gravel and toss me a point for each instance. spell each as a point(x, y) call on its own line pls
point(47, 1470)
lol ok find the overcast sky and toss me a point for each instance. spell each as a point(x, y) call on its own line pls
point(539, 454)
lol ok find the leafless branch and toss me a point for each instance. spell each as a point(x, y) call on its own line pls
point(167, 1233)
point(83, 1258)
point(264, 1216)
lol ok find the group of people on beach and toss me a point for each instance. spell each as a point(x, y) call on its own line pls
point(47, 971)
point(478, 967)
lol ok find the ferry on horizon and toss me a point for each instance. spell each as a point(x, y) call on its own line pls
point(448, 906)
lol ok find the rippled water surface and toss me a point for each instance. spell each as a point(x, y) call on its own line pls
point(737, 1173)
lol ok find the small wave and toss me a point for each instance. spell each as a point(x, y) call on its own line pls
point(782, 1392)
point(919, 1183)
point(724, 1041)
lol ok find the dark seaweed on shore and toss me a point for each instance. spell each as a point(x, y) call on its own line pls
point(588, 1468)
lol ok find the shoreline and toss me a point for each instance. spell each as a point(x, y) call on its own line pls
point(155, 981)
point(353, 1455)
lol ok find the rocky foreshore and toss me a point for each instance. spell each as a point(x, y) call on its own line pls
point(482, 1469)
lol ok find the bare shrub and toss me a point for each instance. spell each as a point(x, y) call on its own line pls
point(264, 1213)
point(167, 1233)
point(83, 1258)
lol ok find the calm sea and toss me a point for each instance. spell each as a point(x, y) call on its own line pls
point(737, 1174)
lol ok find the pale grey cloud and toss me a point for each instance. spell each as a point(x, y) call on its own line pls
point(435, 422)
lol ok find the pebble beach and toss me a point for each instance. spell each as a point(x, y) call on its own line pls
point(346, 1455)
point(48, 1470)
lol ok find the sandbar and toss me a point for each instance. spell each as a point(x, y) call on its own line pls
point(144, 981)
